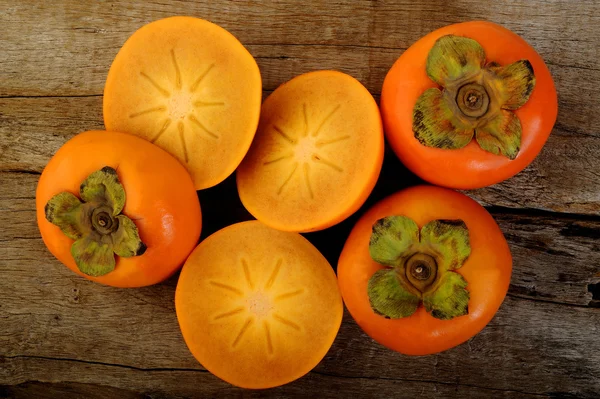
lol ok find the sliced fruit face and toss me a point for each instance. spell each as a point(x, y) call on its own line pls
point(190, 87)
point(258, 307)
point(317, 153)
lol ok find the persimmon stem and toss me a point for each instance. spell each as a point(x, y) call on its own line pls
point(473, 100)
point(421, 271)
point(102, 220)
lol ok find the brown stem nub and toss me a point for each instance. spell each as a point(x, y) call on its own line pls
point(102, 221)
point(421, 271)
point(473, 100)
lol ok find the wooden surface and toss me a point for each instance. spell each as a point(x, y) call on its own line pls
point(63, 336)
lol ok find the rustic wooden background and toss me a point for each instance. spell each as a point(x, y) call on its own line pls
point(62, 336)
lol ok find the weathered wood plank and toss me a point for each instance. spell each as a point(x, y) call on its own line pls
point(40, 390)
point(49, 312)
point(83, 38)
point(555, 257)
point(61, 335)
point(363, 44)
point(135, 383)
point(33, 129)
point(529, 348)
point(564, 178)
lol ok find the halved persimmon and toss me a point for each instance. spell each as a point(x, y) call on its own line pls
point(424, 270)
point(117, 209)
point(258, 307)
point(468, 105)
point(317, 153)
point(190, 87)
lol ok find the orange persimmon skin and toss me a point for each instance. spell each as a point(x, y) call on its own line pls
point(469, 167)
point(487, 271)
point(160, 199)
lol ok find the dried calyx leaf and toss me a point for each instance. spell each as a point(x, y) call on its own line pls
point(421, 267)
point(454, 57)
point(450, 300)
point(95, 223)
point(389, 297)
point(475, 100)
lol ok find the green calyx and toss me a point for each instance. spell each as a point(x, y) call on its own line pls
point(476, 100)
point(95, 223)
point(421, 267)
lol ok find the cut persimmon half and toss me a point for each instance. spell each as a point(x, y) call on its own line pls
point(190, 87)
point(258, 307)
point(317, 153)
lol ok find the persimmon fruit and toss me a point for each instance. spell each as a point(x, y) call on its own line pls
point(317, 153)
point(117, 209)
point(190, 87)
point(468, 105)
point(424, 270)
point(258, 307)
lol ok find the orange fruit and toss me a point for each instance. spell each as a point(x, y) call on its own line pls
point(258, 307)
point(190, 87)
point(317, 153)
point(160, 200)
point(486, 270)
point(471, 166)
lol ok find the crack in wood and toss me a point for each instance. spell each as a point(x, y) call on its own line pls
point(318, 372)
point(427, 382)
point(125, 366)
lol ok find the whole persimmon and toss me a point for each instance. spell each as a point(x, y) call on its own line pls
point(424, 270)
point(117, 209)
point(468, 105)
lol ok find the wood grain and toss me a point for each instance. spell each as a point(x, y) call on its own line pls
point(48, 313)
point(63, 336)
point(555, 256)
point(353, 35)
point(33, 129)
point(541, 356)
point(85, 378)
